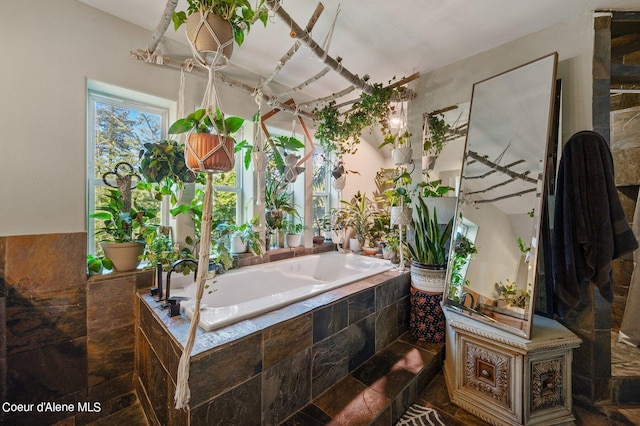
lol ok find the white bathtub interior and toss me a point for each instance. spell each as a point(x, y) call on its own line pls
point(250, 291)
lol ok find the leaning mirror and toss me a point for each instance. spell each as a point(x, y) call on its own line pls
point(492, 265)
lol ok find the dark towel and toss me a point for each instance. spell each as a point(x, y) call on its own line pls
point(590, 229)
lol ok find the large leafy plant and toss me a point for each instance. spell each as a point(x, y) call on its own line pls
point(120, 225)
point(206, 121)
point(239, 13)
point(430, 241)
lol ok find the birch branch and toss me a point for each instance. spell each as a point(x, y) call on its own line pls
point(305, 38)
point(500, 168)
point(158, 33)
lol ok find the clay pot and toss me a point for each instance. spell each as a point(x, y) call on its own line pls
point(199, 35)
point(125, 256)
point(200, 145)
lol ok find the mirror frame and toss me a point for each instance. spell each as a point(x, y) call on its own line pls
point(548, 78)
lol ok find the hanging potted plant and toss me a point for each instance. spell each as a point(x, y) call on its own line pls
point(210, 145)
point(400, 201)
point(339, 174)
point(401, 151)
point(212, 24)
point(434, 138)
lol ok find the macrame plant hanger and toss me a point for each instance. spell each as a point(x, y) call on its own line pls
point(211, 104)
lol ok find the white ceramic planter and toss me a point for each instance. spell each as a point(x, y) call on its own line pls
point(339, 183)
point(402, 155)
point(354, 245)
point(428, 162)
point(293, 240)
point(401, 215)
point(237, 246)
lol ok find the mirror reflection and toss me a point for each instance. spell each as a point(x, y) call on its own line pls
point(492, 265)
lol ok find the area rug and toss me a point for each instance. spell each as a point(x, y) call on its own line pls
point(418, 415)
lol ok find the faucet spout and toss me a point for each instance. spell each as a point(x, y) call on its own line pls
point(463, 300)
point(173, 267)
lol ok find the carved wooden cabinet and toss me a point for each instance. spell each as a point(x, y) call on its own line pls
point(508, 380)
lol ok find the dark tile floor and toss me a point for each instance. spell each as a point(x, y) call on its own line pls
point(435, 396)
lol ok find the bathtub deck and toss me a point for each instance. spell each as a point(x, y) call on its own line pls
point(380, 390)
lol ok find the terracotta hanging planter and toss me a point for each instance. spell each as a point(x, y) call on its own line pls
point(205, 153)
point(202, 38)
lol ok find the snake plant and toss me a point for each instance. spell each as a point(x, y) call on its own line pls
point(430, 241)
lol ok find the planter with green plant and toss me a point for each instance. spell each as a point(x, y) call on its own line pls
point(359, 217)
point(164, 168)
point(210, 145)
point(123, 231)
point(400, 144)
point(429, 249)
point(293, 233)
point(212, 24)
point(434, 139)
point(243, 237)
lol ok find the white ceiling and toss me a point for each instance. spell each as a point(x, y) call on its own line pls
point(382, 38)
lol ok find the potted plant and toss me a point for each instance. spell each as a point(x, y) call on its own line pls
point(428, 268)
point(359, 217)
point(462, 252)
point(124, 231)
point(429, 247)
point(243, 237)
point(96, 264)
point(339, 174)
point(226, 20)
point(293, 233)
point(210, 145)
point(434, 139)
point(399, 200)
point(322, 225)
point(164, 167)
point(400, 143)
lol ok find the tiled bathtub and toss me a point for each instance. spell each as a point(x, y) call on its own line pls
point(262, 370)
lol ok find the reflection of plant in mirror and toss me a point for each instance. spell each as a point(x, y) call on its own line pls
point(513, 295)
point(523, 248)
point(433, 188)
point(437, 138)
point(462, 252)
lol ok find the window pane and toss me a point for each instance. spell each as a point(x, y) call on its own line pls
point(121, 133)
point(319, 210)
point(224, 207)
point(319, 172)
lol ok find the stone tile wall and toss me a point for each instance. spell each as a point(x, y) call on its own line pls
point(262, 370)
point(66, 339)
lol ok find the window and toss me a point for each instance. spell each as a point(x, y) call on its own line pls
point(321, 188)
point(117, 129)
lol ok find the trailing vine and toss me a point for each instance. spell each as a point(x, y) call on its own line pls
point(340, 132)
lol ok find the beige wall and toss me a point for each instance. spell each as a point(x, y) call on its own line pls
point(50, 50)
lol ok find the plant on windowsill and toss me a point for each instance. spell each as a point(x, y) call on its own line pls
point(400, 144)
point(210, 145)
point(228, 19)
point(293, 232)
point(243, 237)
point(123, 231)
point(359, 217)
